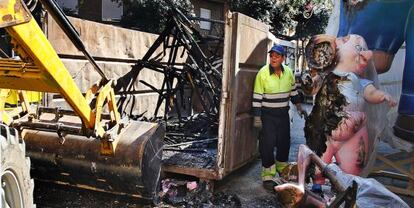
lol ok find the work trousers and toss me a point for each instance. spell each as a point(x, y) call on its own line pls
point(275, 133)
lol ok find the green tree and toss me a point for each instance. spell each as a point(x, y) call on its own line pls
point(150, 15)
point(289, 19)
point(260, 10)
point(303, 18)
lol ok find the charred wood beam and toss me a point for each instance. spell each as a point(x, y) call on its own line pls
point(159, 101)
point(159, 67)
point(192, 142)
point(199, 74)
point(158, 42)
point(192, 46)
point(190, 79)
point(185, 150)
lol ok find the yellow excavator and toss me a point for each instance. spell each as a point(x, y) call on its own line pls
point(87, 146)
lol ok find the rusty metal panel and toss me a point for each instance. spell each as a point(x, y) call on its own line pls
point(245, 51)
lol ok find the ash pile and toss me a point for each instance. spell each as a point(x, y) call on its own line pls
point(182, 193)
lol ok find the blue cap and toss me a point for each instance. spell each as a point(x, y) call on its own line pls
point(278, 49)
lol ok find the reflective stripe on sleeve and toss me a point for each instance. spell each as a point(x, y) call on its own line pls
point(257, 104)
point(257, 96)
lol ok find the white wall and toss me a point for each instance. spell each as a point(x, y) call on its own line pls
point(111, 10)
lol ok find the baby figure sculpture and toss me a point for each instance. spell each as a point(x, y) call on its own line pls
point(385, 25)
point(337, 126)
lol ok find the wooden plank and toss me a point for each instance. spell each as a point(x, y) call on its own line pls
point(233, 50)
point(400, 162)
point(411, 182)
point(245, 81)
point(245, 142)
point(245, 53)
point(197, 172)
point(395, 166)
point(228, 65)
point(208, 174)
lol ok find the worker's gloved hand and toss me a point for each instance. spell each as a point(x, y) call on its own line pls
point(257, 122)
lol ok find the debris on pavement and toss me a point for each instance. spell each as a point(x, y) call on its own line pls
point(193, 194)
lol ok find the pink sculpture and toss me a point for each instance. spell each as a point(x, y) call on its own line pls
point(337, 125)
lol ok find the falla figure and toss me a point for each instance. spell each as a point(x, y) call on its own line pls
point(337, 126)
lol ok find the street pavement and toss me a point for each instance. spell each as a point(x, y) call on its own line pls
point(245, 183)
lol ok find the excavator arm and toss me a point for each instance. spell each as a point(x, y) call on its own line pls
point(40, 69)
point(103, 152)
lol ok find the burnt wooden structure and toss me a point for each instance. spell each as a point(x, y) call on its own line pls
point(228, 96)
point(245, 51)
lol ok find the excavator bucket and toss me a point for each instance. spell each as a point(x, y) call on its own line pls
point(82, 147)
point(133, 170)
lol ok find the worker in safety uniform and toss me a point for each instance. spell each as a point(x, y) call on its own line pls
point(273, 88)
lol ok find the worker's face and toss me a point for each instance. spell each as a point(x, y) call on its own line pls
point(276, 59)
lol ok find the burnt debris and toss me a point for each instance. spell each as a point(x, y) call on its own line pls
point(326, 115)
point(185, 86)
point(182, 193)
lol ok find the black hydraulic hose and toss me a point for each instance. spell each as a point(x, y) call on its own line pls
point(70, 31)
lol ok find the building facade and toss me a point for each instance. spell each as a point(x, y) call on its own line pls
point(95, 10)
point(111, 12)
point(210, 9)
